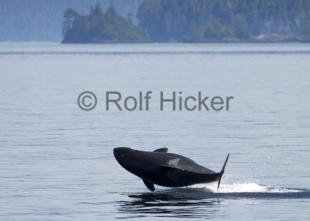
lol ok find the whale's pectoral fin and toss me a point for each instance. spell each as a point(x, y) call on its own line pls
point(149, 185)
point(164, 149)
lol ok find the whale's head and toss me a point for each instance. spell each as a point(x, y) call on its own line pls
point(136, 162)
point(124, 155)
point(121, 153)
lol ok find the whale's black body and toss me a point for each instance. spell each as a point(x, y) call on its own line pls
point(165, 169)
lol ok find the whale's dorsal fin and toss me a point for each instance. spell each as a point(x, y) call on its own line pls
point(149, 185)
point(164, 149)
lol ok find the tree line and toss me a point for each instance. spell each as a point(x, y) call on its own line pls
point(194, 21)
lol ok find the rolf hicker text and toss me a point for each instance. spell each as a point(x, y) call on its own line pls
point(174, 100)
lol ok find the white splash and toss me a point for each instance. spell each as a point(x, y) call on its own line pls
point(243, 188)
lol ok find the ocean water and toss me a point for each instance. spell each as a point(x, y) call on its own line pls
point(57, 163)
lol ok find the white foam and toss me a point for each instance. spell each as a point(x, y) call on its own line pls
point(243, 188)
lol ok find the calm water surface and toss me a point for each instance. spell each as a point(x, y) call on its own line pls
point(56, 161)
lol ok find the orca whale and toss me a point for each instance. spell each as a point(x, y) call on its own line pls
point(165, 169)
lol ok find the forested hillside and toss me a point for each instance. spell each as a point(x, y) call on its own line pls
point(161, 20)
point(226, 20)
point(100, 27)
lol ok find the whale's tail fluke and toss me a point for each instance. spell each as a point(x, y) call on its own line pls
point(222, 172)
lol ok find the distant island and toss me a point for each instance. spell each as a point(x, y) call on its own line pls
point(194, 21)
point(100, 27)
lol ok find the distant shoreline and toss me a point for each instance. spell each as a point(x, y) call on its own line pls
point(193, 21)
point(197, 42)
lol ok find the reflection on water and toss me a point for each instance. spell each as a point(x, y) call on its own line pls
point(168, 204)
point(197, 202)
